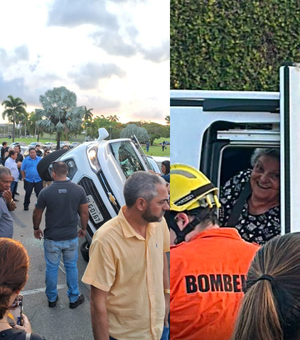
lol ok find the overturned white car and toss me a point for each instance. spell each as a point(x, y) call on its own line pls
point(101, 167)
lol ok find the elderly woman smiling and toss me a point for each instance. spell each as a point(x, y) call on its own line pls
point(251, 199)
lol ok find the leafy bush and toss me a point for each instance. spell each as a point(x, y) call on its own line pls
point(232, 44)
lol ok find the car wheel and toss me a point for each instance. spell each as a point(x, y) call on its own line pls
point(85, 247)
point(44, 163)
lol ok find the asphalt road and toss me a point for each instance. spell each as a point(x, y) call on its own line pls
point(60, 322)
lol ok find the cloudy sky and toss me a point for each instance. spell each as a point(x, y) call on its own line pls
point(113, 54)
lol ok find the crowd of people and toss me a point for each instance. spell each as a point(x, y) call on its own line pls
point(231, 275)
point(142, 261)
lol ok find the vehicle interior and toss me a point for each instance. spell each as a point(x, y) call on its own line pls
point(126, 156)
point(230, 147)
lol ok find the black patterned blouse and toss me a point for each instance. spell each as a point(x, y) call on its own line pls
point(252, 228)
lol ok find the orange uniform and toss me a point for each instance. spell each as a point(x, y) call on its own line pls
point(206, 276)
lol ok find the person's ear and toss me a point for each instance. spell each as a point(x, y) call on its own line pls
point(182, 220)
point(141, 204)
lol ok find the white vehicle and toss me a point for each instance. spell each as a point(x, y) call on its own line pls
point(101, 167)
point(217, 131)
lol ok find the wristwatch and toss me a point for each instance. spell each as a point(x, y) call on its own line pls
point(167, 291)
point(36, 228)
point(11, 201)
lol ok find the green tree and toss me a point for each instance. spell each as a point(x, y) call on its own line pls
point(139, 132)
point(156, 131)
point(87, 114)
point(23, 121)
point(167, 119)
point(60, 112)
point(14, 110)
point(87, 117)
point(113, 118)
point(31, 123)
point(114, 128)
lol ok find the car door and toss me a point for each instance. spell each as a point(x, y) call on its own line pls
point(290, 137)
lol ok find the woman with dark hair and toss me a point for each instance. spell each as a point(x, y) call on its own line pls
point(14, 263)
point(270, 309)
point(251, 199)
point(165, 169)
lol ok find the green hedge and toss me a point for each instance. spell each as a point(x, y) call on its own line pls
point(231, 44)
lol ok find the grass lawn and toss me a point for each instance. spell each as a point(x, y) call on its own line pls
point(155, 150)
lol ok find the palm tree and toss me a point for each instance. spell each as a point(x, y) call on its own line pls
point(14, 109)
point(87, 114)
point(60, 112)
point(167, 119)
point(31, 123)
point(23, 120)
point(113, 118)
point(87, 117)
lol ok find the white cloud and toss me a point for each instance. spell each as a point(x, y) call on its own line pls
point(89, 74)
point(157, 54)
point(72, 13)
point(112, 43)
point(8, 58)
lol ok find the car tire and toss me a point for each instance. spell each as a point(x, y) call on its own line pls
point(44, 163)
point(85, 247)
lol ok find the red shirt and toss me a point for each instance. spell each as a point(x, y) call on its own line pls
point(206, 276)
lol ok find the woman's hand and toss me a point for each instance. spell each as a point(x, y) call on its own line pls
point(26, 325)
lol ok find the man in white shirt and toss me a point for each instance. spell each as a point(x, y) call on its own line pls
point(11, 164)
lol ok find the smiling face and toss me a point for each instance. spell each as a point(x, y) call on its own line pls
point(157, 207)
point(265, 179)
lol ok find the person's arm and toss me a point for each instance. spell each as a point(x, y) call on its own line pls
point(166, 289)
point(84, 217)
point(99, 314)
point(23, 174)
point(26, 327)
point(36, 218)
point(11, 204)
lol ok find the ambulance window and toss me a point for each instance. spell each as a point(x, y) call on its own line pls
point(234, 159)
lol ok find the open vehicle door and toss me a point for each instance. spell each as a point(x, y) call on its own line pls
point(217, 131)
point(290, 142)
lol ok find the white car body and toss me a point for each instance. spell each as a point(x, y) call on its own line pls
point(102, 174)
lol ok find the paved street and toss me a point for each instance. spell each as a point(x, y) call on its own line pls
point(61, 322)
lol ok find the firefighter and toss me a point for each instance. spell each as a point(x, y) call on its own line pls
point(208, 264)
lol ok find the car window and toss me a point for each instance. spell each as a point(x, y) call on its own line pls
point(126, 156)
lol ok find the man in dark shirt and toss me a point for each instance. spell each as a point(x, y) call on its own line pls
point(62, 200)
point(4, 150)
point(38, 150)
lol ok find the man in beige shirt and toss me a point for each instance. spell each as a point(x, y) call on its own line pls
point(128, 268)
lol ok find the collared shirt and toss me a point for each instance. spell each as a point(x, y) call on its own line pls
point(12, 166)
point(6, 221)
point(206, 276)
point(29, 165)
point(130, 268)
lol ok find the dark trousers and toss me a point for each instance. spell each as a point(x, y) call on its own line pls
point(28, 187)
point(13, 189)
point(111, 338)
point(16, 187)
